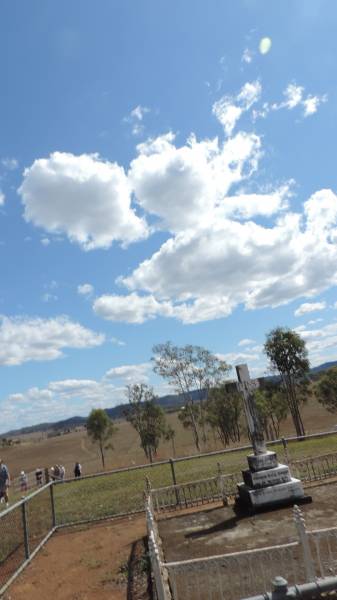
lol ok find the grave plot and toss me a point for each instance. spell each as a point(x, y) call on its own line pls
point(207, 552)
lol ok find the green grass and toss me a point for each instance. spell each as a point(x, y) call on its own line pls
point(123, 492)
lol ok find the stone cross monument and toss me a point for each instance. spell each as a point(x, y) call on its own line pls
point(266, 483)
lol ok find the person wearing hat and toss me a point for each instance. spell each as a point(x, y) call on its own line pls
point(4, 482)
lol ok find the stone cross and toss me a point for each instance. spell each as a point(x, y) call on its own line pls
point(247, 386)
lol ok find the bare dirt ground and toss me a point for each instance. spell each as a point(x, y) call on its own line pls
point(106, 561)
point(218, 530)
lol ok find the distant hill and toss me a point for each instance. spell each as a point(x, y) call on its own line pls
point(171, 401)
point(324, 366)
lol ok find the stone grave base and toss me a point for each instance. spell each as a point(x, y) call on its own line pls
point(268, 485)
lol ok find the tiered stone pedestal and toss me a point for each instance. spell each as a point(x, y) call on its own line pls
point(267, 484)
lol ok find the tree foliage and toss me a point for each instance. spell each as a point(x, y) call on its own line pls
point(326, 389)
point(100, 429)
point(288, 356)
point(223, 413)
point(187, 369)
point(147, 417)
point(272, 406)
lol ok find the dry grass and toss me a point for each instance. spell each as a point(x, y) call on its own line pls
point(38, 450)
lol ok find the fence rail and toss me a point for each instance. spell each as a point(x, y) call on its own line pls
point(307, 559)
point(27, 524)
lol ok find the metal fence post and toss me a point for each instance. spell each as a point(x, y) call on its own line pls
point(25, 530)
point(304, 542)
point(174, 479)
point(52, 503)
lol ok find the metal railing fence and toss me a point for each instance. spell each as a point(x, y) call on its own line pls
point(310, 558)
point(24, 528)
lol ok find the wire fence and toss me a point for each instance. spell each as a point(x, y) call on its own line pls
point(26, 525)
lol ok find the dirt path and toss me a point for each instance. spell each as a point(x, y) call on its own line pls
point(87, 564)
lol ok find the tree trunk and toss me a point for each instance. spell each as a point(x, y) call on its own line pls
point(102, 454)
point(194, 428)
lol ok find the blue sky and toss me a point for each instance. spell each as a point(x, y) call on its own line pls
point(167, 172)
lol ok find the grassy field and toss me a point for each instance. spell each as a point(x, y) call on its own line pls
point(39, 451)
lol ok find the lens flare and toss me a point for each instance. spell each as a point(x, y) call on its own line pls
point(265, 45)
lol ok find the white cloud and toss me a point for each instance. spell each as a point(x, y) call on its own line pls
point(9, 163)
point(130, 373)
point(2, 198)
point(136, 119)
point(85, 289)
point(184, 186)
point(321, 343)
point(235, 358)
point(308, 307)
point(65, 398)
point(206, 272)
point(45, 241)
point(82, 196)
point(131, 308)
point(311, 104)
point(295, 97)
point(229, 109)
point(25, 339)
point(139, 111)
point(247, 56)
point(246, 342)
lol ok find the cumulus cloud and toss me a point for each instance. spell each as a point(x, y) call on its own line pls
point(64, 398)
point(130, 373)
point(308, 307)
point(206, 272)
point(229, 109)
point(85, 289)
point(130, 308)
point(84, 197)
point(24, 339)
point(184, 186)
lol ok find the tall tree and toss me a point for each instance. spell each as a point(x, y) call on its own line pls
point(189, 369)
point(288, 356)
point(100, 429)
point(326, 389)
point(147, 417)
point(223, 413)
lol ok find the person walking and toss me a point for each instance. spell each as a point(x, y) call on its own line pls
point(78, 470)
point(38, 476)
point(23, 482)
point(4, 482)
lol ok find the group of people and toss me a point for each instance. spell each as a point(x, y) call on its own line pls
point(57, 473)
